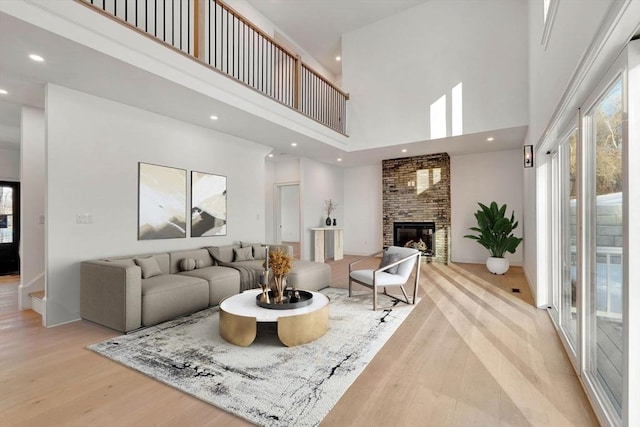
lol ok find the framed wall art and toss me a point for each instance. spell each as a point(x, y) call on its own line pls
point(208, 204)
point(162, 202)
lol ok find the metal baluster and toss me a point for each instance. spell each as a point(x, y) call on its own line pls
point(608, 282)
point(227, 55)
point(173, 23)
point(188, 27)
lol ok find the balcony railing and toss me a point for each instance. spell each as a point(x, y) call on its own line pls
point(215, 34)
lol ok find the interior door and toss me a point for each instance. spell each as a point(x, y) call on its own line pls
point(9, 227)
point(287, 215)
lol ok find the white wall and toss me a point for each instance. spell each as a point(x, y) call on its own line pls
point(32, 199)
point(93, 149)
point(396, 68)
point(550, 72)
point(363, 209)
point(484, 178)
point(551, 69)
point(10, 163)
point(319, 182)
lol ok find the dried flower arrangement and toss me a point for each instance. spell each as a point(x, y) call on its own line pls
point(330, 206)
point(280, 264)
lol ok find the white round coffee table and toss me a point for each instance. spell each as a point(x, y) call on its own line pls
point(239, 315)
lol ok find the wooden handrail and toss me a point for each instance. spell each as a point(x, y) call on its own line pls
point(283, 48)
point(251, 57)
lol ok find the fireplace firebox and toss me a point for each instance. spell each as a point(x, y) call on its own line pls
point(417, 235)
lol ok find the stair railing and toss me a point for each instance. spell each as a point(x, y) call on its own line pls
point(217, 35)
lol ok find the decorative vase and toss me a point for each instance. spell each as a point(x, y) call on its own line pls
point(328, 221)
point(334, 222)
point(279, 284)
point(497, 265)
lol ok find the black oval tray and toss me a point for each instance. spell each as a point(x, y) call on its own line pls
point(305, 299)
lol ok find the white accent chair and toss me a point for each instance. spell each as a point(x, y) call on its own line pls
point(381, 278)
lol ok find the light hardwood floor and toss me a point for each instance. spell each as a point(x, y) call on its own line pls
point(472, 353)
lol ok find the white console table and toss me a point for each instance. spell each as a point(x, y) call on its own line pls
point(319, 239)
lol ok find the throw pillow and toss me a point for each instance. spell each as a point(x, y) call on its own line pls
point(242, 254)
point(258, 249)
point(187, 264)
point(390, 258)
point(222, 253)
point(149, 267)
point(199, 263)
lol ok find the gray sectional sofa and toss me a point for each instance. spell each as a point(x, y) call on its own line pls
point(127, 293)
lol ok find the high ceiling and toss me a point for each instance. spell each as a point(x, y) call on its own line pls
point(78, 67)
point(318, 25)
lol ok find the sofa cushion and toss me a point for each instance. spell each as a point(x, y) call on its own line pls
point(309, 275)
point(243, 254)
point(123, 262)
point(223, 281)
point(222, 253)
point(149, 266)
point(168, 296)
point(255, 264)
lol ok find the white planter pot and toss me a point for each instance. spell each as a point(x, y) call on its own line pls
point(497, 265)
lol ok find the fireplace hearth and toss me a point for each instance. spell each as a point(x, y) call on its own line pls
point(417, 235)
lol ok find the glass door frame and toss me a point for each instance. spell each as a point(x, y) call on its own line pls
point(587, 244)
point(626, 65)
point(557, 174)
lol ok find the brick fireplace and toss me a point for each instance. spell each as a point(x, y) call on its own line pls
point(416, 197)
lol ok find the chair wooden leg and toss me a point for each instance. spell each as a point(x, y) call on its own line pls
point(349, 286)
point(415, 286)
point(375, 298)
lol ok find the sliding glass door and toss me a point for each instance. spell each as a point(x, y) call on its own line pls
point(603, 142)
point(563, 222)
point(568, 238)
point(589, 195)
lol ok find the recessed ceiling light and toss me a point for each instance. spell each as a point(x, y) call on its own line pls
point(270, 155)
point(36, 58)
point(213, 117)
point(3, 92)
point(338, 58)
point(404, 150)
point(294, 144)
point(339, 159)
point(490, 139)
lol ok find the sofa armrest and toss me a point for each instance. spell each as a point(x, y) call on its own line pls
point(111, 294)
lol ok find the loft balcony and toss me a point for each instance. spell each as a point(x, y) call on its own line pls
point(219, 37)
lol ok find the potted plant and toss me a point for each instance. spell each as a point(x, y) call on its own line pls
point(496, 234)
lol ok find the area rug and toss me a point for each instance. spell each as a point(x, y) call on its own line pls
point(265, 383)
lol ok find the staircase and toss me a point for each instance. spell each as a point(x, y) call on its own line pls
point(37, 302)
